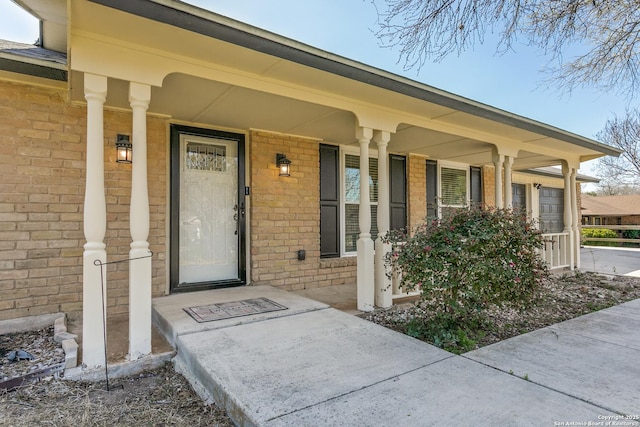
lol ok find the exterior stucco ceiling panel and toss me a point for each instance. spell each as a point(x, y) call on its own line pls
point(311, 77)
point(204, 101)
point(410, 138)
point(488, 126)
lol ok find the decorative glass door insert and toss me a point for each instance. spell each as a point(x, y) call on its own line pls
point(209, 210)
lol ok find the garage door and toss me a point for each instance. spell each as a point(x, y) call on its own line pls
point(551, 210)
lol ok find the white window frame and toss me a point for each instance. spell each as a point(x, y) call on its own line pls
point(353, 151)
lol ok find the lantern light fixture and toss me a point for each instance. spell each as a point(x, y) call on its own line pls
point(284, 164)
point(123, 149)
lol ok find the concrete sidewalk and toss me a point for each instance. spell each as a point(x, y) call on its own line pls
point(312, 365)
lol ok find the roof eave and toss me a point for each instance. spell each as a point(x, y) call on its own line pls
point(191, 18)
point(51, 71)
point(579, 177)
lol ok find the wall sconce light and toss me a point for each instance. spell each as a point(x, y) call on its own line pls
point(283, 164)
point(123, 149)
point(537, 185)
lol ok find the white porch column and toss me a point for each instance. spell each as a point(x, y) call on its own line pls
point(95, 225)
point(498, 161)
point(575, 222)
point(568, 215)
point(139, 269)
point(508, 192)
point(365, 276)
point(382, 282)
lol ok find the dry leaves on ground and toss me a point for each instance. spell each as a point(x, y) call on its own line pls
point(38, 344)
point(157, 398)
point(563, 297)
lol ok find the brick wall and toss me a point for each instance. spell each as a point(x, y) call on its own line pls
point(417, 187)
point(42, 185)
point(285, 217)
point(42, 175)
point(489, 185)
point(579, 201)
point(118, 196)
point(631, 220)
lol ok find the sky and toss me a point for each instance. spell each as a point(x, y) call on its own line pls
point(512, 82)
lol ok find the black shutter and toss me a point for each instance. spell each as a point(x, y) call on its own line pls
point(519, 197)
point(432, 189)
point(475, 178)
point(329, 201)
point(398, 191)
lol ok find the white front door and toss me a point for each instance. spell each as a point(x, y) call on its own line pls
point(210, 213)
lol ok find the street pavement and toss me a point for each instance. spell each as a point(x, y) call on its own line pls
point(609, 260)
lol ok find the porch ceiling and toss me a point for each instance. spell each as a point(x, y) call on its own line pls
point(434, 123)
point(210, 103)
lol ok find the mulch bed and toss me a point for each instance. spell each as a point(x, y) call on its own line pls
point(156, 398)
point(39, 345)
point(161, 397)
point(563, 297)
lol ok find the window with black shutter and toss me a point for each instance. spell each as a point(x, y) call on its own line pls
point(475, 183)
point(340, 201)
point(329, 201)
point(397, 192)
point(432, 189)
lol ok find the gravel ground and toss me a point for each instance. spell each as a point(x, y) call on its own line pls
point(564, 296)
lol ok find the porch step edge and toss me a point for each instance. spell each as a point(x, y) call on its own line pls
point(210, 391)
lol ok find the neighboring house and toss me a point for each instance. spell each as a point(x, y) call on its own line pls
point(611, 210)
point(210, 104)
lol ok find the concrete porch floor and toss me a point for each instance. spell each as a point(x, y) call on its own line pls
point(315, 365)
point(341, 297)
point(118, 338)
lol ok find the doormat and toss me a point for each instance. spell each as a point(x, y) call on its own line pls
point(228, 310)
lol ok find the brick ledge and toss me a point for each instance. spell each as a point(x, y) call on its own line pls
point(339, 262)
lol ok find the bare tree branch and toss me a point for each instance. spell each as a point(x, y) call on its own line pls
point(607, 31)
point(624, 171)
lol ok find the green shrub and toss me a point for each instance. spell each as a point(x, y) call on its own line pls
point(447, 332)
point(633, 235)
point(599, 233)
point(470, 260)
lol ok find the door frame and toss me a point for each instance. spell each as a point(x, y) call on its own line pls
point(174, 205)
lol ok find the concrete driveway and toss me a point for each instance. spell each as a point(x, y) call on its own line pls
point(622, 261)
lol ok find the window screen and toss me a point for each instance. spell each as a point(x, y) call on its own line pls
point(453, 186)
